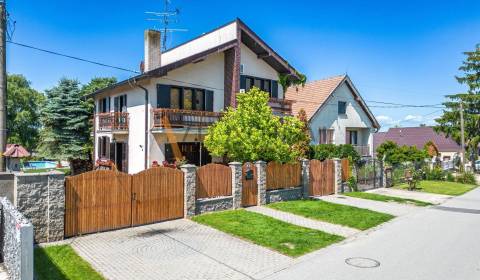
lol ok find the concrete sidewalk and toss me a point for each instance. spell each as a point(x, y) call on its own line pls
point(304, 222)
point(395, 209)
point(437, 243)
point(422, 196)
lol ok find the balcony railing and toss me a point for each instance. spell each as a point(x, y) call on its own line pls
point(363, 150)
point(113, 121)
point(281, 106)
point(166, 118)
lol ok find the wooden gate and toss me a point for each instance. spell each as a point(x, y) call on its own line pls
point(157, 195)
point(97, 201)
point(214, 180)
point(322, 177)
point(104, 200)
point(345, 169)
point(249, 185)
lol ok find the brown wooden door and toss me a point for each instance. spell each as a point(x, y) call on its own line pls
point(214, 180)
point(97, 201)
point(322, 177)
point(157, 195)
point(249, 185)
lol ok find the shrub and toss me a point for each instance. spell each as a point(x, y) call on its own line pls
point(466, 178)
point(434, 174)
point(352, 184)
point(329, 151)
point(450, 177)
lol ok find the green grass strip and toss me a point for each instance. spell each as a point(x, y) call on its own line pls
point(283, 237)
point(61, 262)
point(334, 213)
point(387, 198)
point(440, 187)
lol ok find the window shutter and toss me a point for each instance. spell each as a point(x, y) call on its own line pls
point(209, 100)
point(108, 103)
point(163, 96)
point(243, 82)
point(274, 89)
point(125, 98)
point(99, 142)
point(111, 150)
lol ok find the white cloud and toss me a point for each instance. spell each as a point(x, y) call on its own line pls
point(413, 118)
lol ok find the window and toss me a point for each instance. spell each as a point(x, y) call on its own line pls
point(103, 105)
point(103, 147)
point(352, 137)
point(187, 99)
point(120, 103)
point(270, 86)
point(175, 98)
point(199, 99)
point(325, 136)
point(342, 107)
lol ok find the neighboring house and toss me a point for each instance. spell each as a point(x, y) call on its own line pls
point(336, 113)
point(13, 154)
point(162, 114)
point(419, 136)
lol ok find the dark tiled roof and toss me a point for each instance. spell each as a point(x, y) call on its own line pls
point(416, 136)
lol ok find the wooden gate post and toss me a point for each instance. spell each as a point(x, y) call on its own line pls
point(236, 184)
point(261, 182)
point(189, 189)
point(305, 177)
point(338, 175)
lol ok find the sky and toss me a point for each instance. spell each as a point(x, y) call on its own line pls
point(396, 51)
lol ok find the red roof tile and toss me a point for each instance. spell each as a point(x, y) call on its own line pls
point(16, 151)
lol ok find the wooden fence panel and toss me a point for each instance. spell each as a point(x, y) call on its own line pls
point(157, 195)
point(322, 177)
point(249, 185)
point(345, 169)
point(214, 180)
point(281, 176)
point(97, 201)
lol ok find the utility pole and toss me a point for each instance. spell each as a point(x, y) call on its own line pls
point(3, 82)
point(462, 132)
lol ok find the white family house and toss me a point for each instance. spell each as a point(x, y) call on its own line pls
point(336, 113)
point(162, 114)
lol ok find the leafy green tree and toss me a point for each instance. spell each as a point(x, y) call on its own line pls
point(65, 120)
point(251, 132)
point(449, 122)
point(329, 151)
point(391, 153)
point(23, 111)
point(304, 146)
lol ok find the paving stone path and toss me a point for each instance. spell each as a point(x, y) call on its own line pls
point(395, 209)
point(426, 197)
point(179, 249)
point(305, 222)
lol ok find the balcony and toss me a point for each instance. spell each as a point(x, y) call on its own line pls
point(362, 150)
point(178, 118)
point(281, 106)
point(116, 121)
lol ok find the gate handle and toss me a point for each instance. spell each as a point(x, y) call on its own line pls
point(134, 196)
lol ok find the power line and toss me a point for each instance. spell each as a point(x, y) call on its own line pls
point(73, 57)
point(405, 105)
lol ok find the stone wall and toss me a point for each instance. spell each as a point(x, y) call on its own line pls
point(284, 194)
point(16, 242)
point(6, 186)
point(213, 204)
point(41, 198)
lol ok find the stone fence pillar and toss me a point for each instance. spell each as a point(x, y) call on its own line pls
point(305, 177)
point(40, 197)
point(190, 188)
point(338, 175)
point(236, 184)
point(261, 182)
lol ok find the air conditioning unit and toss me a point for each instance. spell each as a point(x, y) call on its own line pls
point(242, 90)
point(242, 66)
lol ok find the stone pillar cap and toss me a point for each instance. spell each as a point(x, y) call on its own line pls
point(234, 163)
point(188, 166)
point(260, 162)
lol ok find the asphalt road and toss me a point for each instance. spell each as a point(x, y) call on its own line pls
point(436, 243)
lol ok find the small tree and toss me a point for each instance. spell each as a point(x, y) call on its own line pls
point(304, 146)
point(65, 118)
point(251, 132)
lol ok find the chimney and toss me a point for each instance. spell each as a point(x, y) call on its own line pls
point(153, 52)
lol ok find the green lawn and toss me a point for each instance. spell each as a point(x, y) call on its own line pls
point(386, 198)
point(61, 262)
point(440, 187)
point(286, 238)
point(333, 213)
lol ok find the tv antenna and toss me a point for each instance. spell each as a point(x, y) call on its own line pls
point(166, 18)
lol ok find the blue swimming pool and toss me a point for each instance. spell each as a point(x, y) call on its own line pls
point(39, 164)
